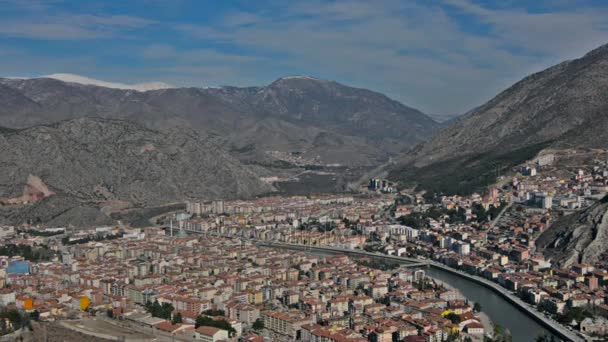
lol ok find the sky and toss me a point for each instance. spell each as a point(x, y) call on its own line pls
point(440, 56)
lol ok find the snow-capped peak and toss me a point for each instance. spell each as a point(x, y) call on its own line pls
point(299, 77)
point(71, 78)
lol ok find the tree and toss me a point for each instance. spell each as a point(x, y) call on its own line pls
point(214, 312)
point(160, 311)
point(166, 310)
point(258, 324)
point(453, 317)
point(477, 307)
point(35, 315)
point(177, 318)
point(497, 330)
point(155, 309)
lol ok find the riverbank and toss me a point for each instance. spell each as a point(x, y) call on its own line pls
point(514, 325)
point(484, 319)
point(553, 326)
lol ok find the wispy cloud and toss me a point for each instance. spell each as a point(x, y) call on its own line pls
point(563, 33)
point(417, 52)
point(71, 27)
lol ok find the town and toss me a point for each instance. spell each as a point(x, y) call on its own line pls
point(342, 267)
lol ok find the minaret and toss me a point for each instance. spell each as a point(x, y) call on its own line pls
point(171, 226)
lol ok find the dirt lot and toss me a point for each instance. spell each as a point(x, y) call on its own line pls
point(53, 331)
point(56, 331)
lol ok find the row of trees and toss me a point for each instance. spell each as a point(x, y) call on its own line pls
point(214, 312)
point(420, 220)
point(34, 232)
point(42, 253)
point(66, 240)
point(160, 311)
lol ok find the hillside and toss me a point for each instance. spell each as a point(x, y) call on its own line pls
point(562, 106)
point(85, 164)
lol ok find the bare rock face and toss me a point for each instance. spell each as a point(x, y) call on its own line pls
point(562, 106)
point(90, 162)
point(578, 238)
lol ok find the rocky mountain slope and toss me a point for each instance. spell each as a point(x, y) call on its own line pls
point(292, 114)
point(563, 106)
point(578, 238)
point(75, 167)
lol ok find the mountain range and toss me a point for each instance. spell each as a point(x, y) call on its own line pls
point(321, 120)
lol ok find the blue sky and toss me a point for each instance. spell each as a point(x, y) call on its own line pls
point(441, 56)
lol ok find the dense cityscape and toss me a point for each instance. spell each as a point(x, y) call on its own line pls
point(231, 271)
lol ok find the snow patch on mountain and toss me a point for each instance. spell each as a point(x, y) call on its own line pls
point(72, 78)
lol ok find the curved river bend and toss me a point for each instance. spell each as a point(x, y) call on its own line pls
point(522, 327)
point(501, 312)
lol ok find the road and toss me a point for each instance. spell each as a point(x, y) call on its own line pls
point(497, 218)
point(412, 262)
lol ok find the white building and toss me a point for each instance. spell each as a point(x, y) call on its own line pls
point(7, 296)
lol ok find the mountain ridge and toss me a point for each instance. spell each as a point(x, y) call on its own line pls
point(378, 125)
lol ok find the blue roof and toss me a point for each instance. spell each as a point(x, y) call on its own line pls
point(18, 267)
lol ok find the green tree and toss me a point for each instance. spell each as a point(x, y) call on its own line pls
point(258, 324)
point(214, 312)
point(35, 315)
point(177, 318)
point(454, 318)
point(477, 307)
point(497, 330)
point(166, 310)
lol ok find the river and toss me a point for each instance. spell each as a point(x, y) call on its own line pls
point(501, 312)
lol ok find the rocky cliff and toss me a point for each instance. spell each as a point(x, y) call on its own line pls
point(578, 238)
